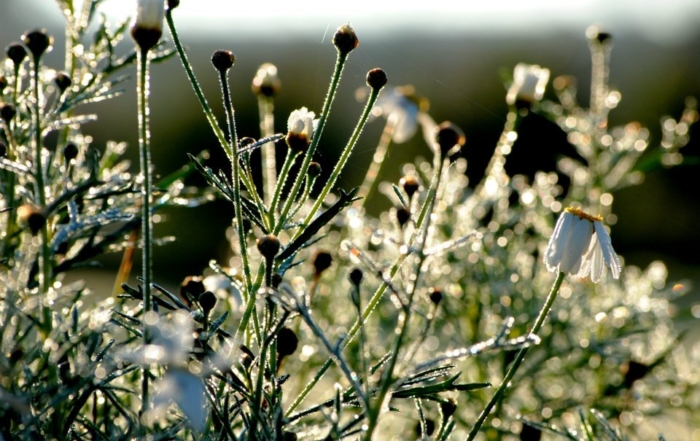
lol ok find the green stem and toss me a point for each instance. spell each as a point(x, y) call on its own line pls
point(497, 397)
point(338, 168)
point(330, 96)
point(284, 173)
point(146, 212)
point(235, 176)
point(267, 152)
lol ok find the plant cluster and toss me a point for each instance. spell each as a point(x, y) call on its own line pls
point(428, 322)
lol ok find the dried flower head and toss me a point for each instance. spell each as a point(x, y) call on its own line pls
point(345, 39)
point(580, 246)
point(266, 82)
point(529, 82)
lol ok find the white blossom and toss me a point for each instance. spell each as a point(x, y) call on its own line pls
point(580, 246)
point(301, 122)
point(529, 82)
point(150, 14)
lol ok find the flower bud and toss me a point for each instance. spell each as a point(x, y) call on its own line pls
point(31, 217)
point(223, 60)
point(322, 261)
point(435, 295)
point(449, 137)
point(38, 42)
point(345, 39)
point(172, 4)
point(3, 83)
point(207, 300)
point(300, 125)
point(597, 35)
point(529, 82)
point(148, 26)
point(376, 79)
point(70, 152)
point(287, 342)
point(16, 52)
point(402, 216)
point(356, 276)
point(266, 82)
point(268, 246)
point(448, 408)
point(62, 81)
point(192, 285)
point(314, 169)
point(7, 112)
point(410, 185)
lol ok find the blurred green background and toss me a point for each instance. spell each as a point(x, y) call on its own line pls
point(454, 56)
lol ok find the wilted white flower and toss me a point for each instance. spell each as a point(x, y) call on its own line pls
point(580, 246)
point(150, 14)
point(301, 125)
point(529, 82)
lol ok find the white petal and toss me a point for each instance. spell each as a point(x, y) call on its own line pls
point(609, 255)
point(556, 244)
point(188, 392)
point(597, 263)
point(577, 244)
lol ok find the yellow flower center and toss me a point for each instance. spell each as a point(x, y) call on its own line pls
point(583, 215)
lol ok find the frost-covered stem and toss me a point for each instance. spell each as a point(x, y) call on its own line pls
point(268, 157)
point(370, 183)
point(330, 96)
point(235, 177)
point(284, 173)
point(146, 212)
point(340, 165)
point(498, 395)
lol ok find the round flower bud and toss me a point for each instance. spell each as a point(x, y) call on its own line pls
point(172, 4)
point(435, 295)
point(31, 217)
point(192, 285)
point(268, 246)
point(223, 60)
point(596, 35)
point(410, 185)
point(449, 136)
point(376, 79)
point(314, 169)
point(3, 83)
point(448, 408)
point(402, 216)
point(266, 82)
point(245, 142)
point(207, 300)
point(70, 151)
point(345, 39)
point(3, 149)
point(356, 276)
point(633, 371)
point(62, 81)
point(7, 112)
point(38, 42)
point(287, 342)
point(16, 53)
point(530, 433)
point(322, 261)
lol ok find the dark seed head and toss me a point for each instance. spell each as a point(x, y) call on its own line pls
point(31, 217)
point(402, 216)
point(322, 261)
point(297, 142)
point(172, 4)
point(633, 371)
point(268, 246)
point(146, 37)
point(376, 79)
point(530, 433)
point(16, 52)
point(287, 342)
point(356, 276)
point(245, 142)
point(192, 285)
point(62, 81)
point(314, 169)
point(429, 428)
point(3, 83)
point(448, 408)
point(207, 300)
point(435, 295)
point(345, 39)
point(70, 151)
point(410, 185)
point(266, 82)
point(37, 41)
point(597, 35)
point(223, 60)
point(7, 112)
point(449, 136)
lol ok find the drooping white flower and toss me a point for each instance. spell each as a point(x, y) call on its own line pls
point(529, 82)
point(580, 246)
point(150, 14)
point(300, 125)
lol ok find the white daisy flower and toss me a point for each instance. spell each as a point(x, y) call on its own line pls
point(301, 125)
point(580, 246)
point(529, 82)
point(150, 14)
